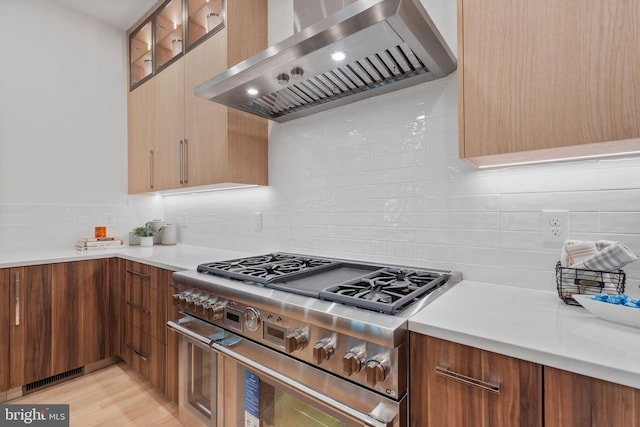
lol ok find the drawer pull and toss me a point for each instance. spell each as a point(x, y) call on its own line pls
point(17, 285)
point(490, 387)
point(137, 353)
point(137, 273)
point(145, 310)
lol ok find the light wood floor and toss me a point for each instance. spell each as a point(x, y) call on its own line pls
point(113, 396)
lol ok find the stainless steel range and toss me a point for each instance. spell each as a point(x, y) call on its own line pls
point(300, 336)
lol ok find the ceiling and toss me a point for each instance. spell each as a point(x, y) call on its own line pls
point(121, 14)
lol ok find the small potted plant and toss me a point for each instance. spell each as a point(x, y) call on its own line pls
point(146, 233)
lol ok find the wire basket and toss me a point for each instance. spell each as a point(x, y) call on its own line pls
point(572, 281)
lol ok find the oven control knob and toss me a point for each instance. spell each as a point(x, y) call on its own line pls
point(215, 311)
point(251, 319)
point(352, 362)
point(296, 340)
point(323, 350)
point(376, 371)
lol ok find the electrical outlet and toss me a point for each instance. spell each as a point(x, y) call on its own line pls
point(257, 218)
point(109, 220)
point(185, 219)
point(555, 227)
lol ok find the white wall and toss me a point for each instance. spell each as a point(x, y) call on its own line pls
point(63, 134)
point(381, 180)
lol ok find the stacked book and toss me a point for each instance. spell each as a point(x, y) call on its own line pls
point(98, 243)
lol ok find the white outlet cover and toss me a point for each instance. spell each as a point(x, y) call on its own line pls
point(555, 227)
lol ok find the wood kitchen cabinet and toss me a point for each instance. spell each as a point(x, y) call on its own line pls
point(145, 335)
point(5, 319)
point(140, 135)
point(179, 140)
point(547, 80)
point(573, 400)
point(173, 343)
point(453, 385)
point(59, 320)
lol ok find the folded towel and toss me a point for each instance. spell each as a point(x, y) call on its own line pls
point(612, 257)
point(575, 251)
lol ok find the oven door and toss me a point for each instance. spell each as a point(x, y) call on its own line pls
point(265, 388)
point(199, 373)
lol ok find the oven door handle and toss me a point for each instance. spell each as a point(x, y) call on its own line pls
point(188, 333)
point(366, 419)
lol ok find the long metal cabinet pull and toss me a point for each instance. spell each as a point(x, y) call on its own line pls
point(137, 353)
point(137, 273)
point(17, 289)
point(150, 168)
point(181, 157)
point(490, 387)
point(185, 162)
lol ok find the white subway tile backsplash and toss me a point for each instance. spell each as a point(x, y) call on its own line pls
point(380, 180)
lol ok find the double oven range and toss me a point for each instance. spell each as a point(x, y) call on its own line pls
point(294, 340)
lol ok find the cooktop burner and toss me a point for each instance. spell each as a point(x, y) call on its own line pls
point(263, 268)
point(387, 290)
point(384, 289)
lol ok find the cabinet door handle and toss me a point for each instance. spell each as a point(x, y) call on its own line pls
point(185, 161)
point(181, 157)
point(17, 289)
point(490, 387)
point(137, 353)
point(137, 273)
point(150, 168)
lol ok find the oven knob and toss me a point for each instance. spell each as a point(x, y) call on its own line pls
point(322, 351)
point(251, 319)
point(352, 362)
point(215, 311)
point(176, 299)
point(376, 371)
point(296, 340)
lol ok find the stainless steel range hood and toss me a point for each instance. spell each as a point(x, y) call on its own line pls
point(390, 45)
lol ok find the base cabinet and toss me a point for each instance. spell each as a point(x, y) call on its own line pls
point(147, 346)
point(5, 322)
point(58, 318)
point(573, 400)
point(453, 385)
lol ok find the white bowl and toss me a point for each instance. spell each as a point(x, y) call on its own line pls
point(624, 315)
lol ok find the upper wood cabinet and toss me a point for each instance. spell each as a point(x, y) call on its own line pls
point(548, 79)
point(140, 53)
point(453, 385)
point(179, 140)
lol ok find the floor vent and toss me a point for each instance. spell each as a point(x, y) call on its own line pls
point(40, 384)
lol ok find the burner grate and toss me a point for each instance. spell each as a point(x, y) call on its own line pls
point(264, 268)
point(388, 290)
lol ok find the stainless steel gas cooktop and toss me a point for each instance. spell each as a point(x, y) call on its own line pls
point(379, 288)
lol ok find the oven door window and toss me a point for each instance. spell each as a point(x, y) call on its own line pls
point(263, 403)
point(202, 379)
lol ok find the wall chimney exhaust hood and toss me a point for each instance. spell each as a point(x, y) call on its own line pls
point(389, 45)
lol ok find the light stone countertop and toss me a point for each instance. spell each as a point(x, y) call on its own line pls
point(171, 257)
point(528, 324)
point(536, 326)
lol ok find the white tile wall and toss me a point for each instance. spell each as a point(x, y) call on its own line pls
point(380, 180)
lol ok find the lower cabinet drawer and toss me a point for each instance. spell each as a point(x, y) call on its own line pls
point(455, 385)
point(146, 354)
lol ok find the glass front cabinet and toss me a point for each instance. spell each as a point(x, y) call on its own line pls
point(160, 38)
